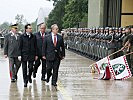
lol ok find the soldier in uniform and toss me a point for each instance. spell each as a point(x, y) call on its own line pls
point(111, 43)
point(12, 51)
point(106, 41)
point(128, 46)
point(131, 48)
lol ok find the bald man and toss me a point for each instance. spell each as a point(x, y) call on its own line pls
point(53, 52)
point(40, 38)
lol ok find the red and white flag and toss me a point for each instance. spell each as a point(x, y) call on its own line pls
point(103, 68)
point(119, 68)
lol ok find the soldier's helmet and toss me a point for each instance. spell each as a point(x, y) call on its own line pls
point(110, 29)
point(123, 29)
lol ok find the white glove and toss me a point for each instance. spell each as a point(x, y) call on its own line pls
point(19, 58)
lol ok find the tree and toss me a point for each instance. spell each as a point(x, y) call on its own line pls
point(75, 11)
point(56, 15)
point(19, 20)
point(5, 25)
point(34, 26)
point(69, 13)
point(55, 1)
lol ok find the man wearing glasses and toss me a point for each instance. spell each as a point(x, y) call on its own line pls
point(40, 39)
point(28, 53)
point(11, 50)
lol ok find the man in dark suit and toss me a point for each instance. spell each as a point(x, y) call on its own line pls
point(12, 51)
point(53, 52)
point(28, 53)
point(40, 38)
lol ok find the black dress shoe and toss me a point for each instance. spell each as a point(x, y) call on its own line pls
point(47, 80)
point(43, 79)
point(34, 75)
point(25, 84)
point(54, 84)
point(13, 80)
point(30, 80)
point(16, 77)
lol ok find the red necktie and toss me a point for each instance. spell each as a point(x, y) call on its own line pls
point(55, 40)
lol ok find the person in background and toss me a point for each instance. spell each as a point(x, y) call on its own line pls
point(40, 39)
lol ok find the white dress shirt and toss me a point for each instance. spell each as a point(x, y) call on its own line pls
point(41, 34)
point(53, 37)
point(28, 34)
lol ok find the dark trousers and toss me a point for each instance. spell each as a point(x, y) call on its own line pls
point(53, 65)
point(14, 65)
point(37, 64)
point(27, 74)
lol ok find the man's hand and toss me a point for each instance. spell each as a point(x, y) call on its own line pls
point(5, 56)
point(36, 57)
point(19, 58)
point(43, 57)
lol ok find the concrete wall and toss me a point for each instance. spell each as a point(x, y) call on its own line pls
point(95, 13)
point(127, 7)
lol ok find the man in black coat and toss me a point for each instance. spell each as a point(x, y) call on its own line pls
point(12, 51)
point(53, 52)
point(40, 38)
point(28, 53)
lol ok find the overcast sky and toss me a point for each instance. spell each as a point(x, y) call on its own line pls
point(29, 8)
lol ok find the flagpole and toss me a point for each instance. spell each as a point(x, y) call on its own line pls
point(129, 54)
point(115, 52)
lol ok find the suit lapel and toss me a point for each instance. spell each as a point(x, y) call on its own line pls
point(51, 40)
point(39, 34)
point(57, 40)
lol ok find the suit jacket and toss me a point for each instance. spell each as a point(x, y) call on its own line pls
point(50, 51)
point(11, 45)
point(39, 43)
point(28, 47)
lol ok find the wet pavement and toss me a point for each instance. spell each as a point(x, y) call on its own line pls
point(75, 83)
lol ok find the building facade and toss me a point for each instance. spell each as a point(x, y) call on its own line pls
point(110, 13)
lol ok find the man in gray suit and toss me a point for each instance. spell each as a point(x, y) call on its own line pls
point(12, 51)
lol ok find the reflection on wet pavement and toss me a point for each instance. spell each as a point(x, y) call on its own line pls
point(75, 83)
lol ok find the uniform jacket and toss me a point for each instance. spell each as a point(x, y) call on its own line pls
point(11, 45)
